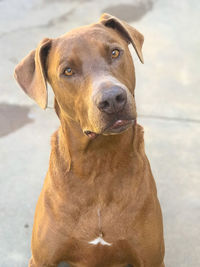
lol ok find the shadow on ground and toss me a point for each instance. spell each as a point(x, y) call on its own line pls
point(129, 12)
point(13, 117)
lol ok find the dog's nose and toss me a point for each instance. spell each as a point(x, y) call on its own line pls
point(111, 100)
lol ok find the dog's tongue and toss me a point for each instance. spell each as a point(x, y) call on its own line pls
point(119, 123)
point(91, 134)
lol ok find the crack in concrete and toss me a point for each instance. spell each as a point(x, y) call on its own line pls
point(157, 117)
point(49, 24)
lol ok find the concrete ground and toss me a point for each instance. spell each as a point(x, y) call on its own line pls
point(168, 102)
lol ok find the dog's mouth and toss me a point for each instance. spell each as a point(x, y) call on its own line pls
point(90, 134)
point(117, 127)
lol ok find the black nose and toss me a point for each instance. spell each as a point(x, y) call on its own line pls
point(111, 100)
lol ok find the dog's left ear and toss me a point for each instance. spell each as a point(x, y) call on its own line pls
point(127, 31)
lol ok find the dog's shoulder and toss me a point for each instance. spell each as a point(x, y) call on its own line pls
point(138, 140)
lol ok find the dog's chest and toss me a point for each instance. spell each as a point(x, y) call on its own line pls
point(104, 232)
point(100, 223)
point(98, 213)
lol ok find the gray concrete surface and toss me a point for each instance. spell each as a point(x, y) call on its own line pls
point(168, 101)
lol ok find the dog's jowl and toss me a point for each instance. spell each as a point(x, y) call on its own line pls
point(98, 206)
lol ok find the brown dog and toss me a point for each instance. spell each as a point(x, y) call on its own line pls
point(98, 206)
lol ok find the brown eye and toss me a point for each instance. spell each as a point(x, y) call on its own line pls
point(115, 53)
point(68, 72)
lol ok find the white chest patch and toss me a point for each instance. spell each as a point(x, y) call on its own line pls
point(100, 240)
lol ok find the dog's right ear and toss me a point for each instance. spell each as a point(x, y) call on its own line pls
point(127, 31)
point(30, 73)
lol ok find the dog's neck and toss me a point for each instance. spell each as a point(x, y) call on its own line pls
point(78, 152)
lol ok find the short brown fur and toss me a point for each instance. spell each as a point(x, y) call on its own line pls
point(109, 173)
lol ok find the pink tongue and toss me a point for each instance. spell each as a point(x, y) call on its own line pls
point(92, 135)
point(119, 123)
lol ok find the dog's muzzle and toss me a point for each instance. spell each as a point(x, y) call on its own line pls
point(110, 100)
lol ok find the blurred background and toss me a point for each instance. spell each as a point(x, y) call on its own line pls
point(168, 103)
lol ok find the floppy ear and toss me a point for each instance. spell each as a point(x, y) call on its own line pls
point(30, 73)
point(127, 31)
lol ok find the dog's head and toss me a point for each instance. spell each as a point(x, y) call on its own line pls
point(91, 72)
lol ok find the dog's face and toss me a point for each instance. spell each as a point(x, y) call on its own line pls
point(92, 75)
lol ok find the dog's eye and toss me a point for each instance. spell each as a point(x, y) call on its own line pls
point(115, 53)
point(68, 72)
